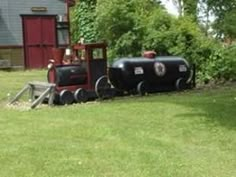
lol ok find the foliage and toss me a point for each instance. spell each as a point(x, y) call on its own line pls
point(187, 8)
point(114, 23)
point(172, 36)
point(182, 37)
point(157, 33)
point(224, 13)
point(230, 58)
point(186, 134)
point(190, 8)
point(83, 16)
point(119, 22)
point(129, 27)
point(229, 24)
point(220, 65)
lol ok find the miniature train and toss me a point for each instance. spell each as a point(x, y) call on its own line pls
point(90, 77)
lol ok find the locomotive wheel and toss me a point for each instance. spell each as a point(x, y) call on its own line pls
point(180, 84)
point(103, 88)
point(141, 88)
point(66, 97)
point(81, 95)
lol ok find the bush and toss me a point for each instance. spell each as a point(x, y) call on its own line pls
point(230, 62)
point(132, 26)
point(117, 24)
point(220, 66)
point(83, 15)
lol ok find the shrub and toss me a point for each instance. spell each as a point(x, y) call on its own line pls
point(129, 27)
point(83, 15)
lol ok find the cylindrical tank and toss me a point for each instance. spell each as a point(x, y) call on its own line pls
point(67, 75)
point(127, 73)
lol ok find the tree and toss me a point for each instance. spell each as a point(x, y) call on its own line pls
point(190, 8)
point(229, 25)
point(224, 13)
point(187, 7)
point(179, 5)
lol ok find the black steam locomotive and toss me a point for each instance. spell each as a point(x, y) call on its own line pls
point(90, 77)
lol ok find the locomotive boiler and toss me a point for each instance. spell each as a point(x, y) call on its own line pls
point(145, 75)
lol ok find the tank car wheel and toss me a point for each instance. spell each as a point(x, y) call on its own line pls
point(180, 84)
point(81, 95)
point(103, 88)
point(141, 88)
point(66, 97)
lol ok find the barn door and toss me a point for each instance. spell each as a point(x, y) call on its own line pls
point(39, 36)
point(49, 40)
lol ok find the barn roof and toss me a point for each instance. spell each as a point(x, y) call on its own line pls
point(70, 2)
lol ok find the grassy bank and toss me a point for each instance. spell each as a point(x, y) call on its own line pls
point(187, 134)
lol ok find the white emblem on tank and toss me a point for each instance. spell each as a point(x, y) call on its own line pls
point(138, 70)
point(159, 69)
point(182, 68)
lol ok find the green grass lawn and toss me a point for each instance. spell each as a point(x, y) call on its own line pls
point(187, 134)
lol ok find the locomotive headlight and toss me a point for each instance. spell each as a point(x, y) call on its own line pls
point(50, 65)
point(160, 69)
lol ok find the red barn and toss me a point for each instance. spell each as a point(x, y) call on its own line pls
point(29, 29)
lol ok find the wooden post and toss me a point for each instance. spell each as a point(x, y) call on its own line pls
point(19, 94)
point(40, 89)
point(40, 98)
point(51, 96)
point(31, 92)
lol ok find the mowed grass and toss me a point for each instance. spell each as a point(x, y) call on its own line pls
point(187, 134)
